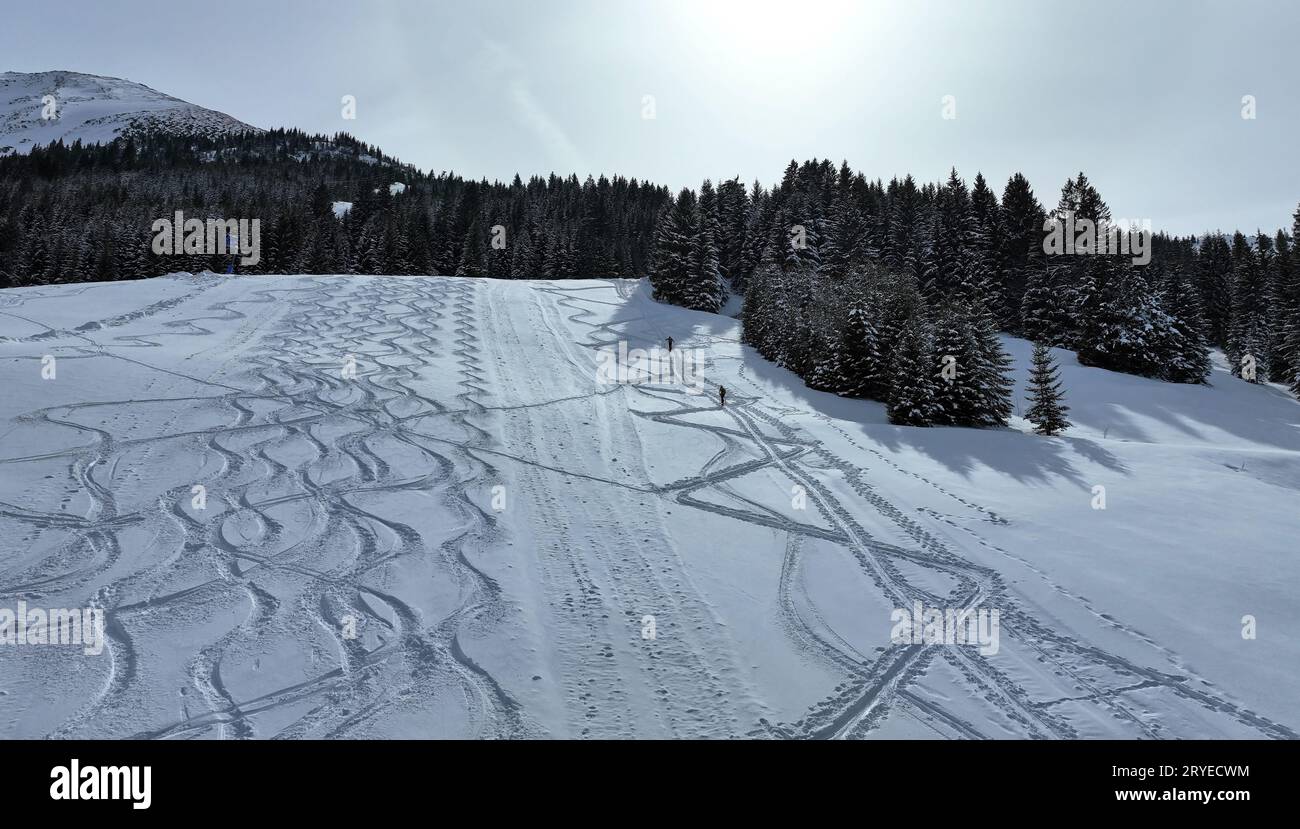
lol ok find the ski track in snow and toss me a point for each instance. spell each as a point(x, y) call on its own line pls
point(301, 464)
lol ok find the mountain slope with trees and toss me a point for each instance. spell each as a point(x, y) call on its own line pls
point(846, 279)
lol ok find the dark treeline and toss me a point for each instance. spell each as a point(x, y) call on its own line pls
point(896, 292)
point(85, 213)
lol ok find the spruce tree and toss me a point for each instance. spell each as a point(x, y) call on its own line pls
point(524, 262)
point(1284, 293)
point(955, 371)
point(755, 315)
point(1188, 356)
point(702, 287)
point(1123, 327)
point(985, 240)
point(1214, 279)
point(902, 250)
point(1248, 333)
point(474, 250)
point(993, 366)
point(757, 233)
point(1047, 409)
point(946, 272)
point(912, 383)
point(974, 387)
point(1021, 223)
point(801, 241)
point(797, 320)
point(674, 246)
point(1046, 306)
point(1292, 319)
point(825, 335)
point(863, 369)
point(733, 218)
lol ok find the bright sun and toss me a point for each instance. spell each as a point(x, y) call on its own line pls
point(769, 26)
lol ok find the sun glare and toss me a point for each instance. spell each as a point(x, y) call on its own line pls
point(759, 27)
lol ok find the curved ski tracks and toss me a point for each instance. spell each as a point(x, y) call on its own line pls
point(295, 434)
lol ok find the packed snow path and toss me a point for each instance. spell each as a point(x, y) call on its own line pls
point(423, 515)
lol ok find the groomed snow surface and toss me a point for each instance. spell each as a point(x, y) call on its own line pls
point(465, 538)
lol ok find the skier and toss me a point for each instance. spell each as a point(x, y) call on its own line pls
point(670, 345)
point(722, 396)
point(231, 247)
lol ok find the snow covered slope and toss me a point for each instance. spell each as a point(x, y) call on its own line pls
point(425, 516)
point(94, 110)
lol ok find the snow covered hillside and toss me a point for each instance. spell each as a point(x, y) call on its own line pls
point(409, 507)
point(95, 110)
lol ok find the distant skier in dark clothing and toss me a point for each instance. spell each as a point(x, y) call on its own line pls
point(670, 344)
point(722, 396)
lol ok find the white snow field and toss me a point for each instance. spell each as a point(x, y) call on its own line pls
point(464, 538)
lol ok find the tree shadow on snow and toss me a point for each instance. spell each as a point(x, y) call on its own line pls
point(1026, 458)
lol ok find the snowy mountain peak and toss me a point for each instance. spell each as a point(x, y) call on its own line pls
point(42, 107)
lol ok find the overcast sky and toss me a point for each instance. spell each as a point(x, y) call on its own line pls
point(1145, 96)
